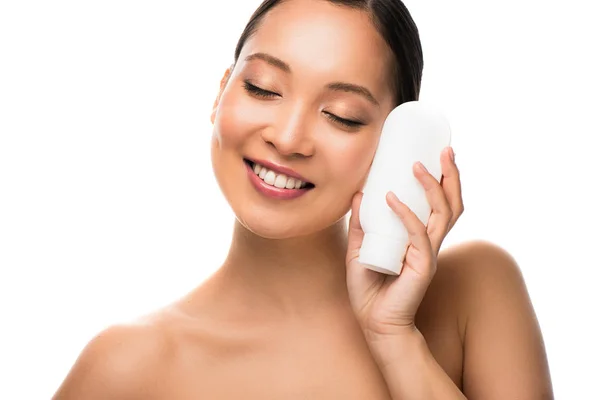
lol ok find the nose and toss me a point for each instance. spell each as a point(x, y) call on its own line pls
point(291, 135)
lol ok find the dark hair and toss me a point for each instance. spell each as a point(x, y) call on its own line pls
point(395, 24)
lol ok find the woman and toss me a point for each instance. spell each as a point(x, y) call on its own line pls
point(291, 314)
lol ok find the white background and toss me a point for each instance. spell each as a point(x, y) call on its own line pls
point(109, 208)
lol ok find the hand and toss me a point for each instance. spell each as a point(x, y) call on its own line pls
point(386, 304)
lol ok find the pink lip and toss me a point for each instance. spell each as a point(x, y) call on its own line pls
point(279, 168)
point(272, 191)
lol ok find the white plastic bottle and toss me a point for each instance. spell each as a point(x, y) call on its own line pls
point(412, 132)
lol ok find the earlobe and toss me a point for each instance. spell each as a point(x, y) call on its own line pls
point(224, 81)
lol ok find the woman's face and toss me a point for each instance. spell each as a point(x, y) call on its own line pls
point(309, 93)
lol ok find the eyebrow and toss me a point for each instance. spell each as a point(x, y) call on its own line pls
point(337, 86)
point(350, 87)
point(274, 61)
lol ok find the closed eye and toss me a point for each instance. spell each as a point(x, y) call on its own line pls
point(266, 94)
point(258, 92)
point(346, 122)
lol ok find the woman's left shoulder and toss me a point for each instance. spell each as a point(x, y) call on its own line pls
point(471, 277)
point(504, 354)
point(479, 262)
point(465, 269)
point(443, 314)
point(477, 248)
point(476, 273)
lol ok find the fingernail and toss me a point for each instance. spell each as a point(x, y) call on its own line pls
point(393, 196)
point(421, 166)
point(452, 155)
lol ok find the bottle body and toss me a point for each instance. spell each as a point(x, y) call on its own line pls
point(413, 131)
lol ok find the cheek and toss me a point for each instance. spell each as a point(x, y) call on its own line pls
point(349, 163)
point(238, 116)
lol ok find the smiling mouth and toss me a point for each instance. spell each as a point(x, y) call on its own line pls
point(277, 179)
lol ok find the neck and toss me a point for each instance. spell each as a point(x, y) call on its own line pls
point(289, 277)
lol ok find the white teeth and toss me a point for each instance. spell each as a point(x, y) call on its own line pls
point(270, 178)
point(278, 180)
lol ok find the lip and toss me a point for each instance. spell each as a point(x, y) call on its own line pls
point(272, 191)
point(279, 168)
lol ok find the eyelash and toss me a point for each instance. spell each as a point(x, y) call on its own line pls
point(346, 122)
point(265, 94)
point(258, 91)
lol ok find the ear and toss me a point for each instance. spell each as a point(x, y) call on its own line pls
point(224, 81)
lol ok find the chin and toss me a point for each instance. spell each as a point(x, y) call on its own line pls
point(274, 227)
point(269, 224)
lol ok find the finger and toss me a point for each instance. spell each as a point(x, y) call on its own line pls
point(417, 231)
point(451, 185)
point(441, 213)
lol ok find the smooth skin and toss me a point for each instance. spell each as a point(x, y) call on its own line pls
point(291, 314)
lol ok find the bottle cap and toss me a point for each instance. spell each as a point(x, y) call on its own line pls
point(383, 253)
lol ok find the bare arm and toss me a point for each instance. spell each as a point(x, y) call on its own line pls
point(411, 371)
point(504, 354)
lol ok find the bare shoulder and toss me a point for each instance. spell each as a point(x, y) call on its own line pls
point(503, 349)
point(477, 272)
point(479, 254)
point(120, 362)
point(476, 265)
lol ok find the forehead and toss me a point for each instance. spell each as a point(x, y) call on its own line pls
point(319, 39)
